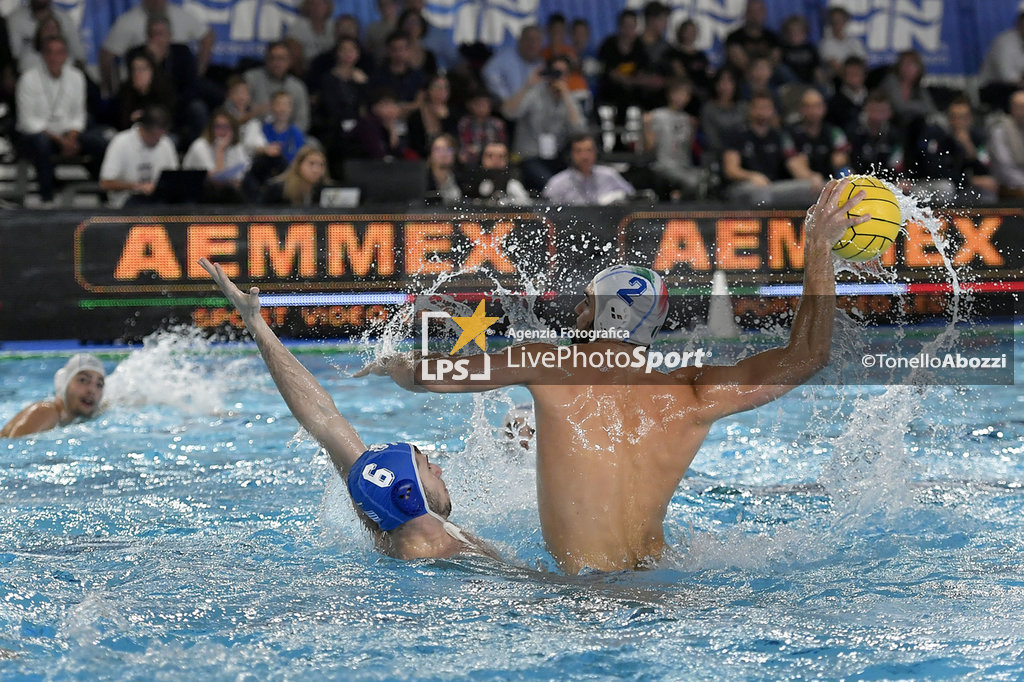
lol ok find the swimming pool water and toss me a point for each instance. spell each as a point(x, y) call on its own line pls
point(190, 533)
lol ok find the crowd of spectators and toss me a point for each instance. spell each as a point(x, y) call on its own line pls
point(526, 122)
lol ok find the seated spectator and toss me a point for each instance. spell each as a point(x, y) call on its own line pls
point(1008, 149)
point(239, 102)
point(670, 133)
point(652, 38)
point(494, 182)
point(875, 145)
point(755, 166)
point(558, 45)
point(323, 63)
point(51, 114)
point(22, 25)
point(432, 117)
point(752, 39)
point(377, 33)
point(415, 27)
point(342, 94)
point(585, 52)
point(911, 103)
point(176, 64)
point(312, 32)
point(135, 159)
point(267, 159)
point(379, 134)
point(441, 180)
point(130, 30)
point(689, 62)
point(722, 113)
point(585, 182)
point(145, 88)
point(953, 159)
point(799, 57)
point(478, 128)
point(278, 128)
point(819, 149)
point(32, 58)
point(302, 182)
point(273, 77)
point(848, 101)
point(622, 59)
point(508, 71)
point(219, 152)
point(546, 115)
point(836, 44)
point(759, 78)
point(1003, 70)
point(396, 74)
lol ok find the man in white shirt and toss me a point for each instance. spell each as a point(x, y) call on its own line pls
point(136, 157)
point(1003, 69)
point(51, 112)
point(585, 183)
point(130, 30)
point(21, 30)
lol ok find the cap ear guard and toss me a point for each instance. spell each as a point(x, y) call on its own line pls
point(631, 300)
point(405, 496)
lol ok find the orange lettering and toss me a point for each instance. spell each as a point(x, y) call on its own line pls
point(681, 243)
point(920, 248)
point(299, 243)
point(147, 249)
point(733, 236)
point(785, 246)
point(977, 242)
point(423, 239)
point(207, 241)
point(378, 247)
point(487, 248)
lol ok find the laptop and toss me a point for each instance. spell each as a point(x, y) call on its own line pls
point(179, 187)
point(339, 197)
point(387, 182)
point(483, 184)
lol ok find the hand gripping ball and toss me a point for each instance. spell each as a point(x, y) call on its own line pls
point(873, 238)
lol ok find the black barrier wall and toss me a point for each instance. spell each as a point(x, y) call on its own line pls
point(121, 276)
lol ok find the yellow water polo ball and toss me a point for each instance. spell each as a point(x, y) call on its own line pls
point(873, 238)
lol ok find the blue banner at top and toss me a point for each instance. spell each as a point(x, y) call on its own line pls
point(952, 35)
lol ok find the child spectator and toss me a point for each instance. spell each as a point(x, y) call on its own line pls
point(800, 60)
point(847, 103)
point(478, 128)
point(279, 129)
point(669, 132)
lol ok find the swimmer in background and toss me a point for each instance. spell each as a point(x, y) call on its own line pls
point(397, 492)
point(614, 443)
point(78, 391)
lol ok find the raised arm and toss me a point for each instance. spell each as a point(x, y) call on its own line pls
point(761, 378)
point(306, 398)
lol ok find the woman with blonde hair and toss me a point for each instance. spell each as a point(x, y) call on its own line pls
point(302, 182)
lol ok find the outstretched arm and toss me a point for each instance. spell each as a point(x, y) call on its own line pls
point(761, 378)
point(306, 398)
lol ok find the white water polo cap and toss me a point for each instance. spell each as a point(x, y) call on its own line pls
point(80, 362)
point(630, 299)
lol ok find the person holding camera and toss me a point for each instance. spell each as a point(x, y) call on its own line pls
point(546, 115)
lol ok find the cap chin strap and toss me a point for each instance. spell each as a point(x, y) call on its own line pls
point(449, 527)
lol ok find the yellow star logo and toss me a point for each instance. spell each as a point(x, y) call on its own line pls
point(473, 328)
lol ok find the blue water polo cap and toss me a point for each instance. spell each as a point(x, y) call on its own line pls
point(630, 299)
point(385, 483)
